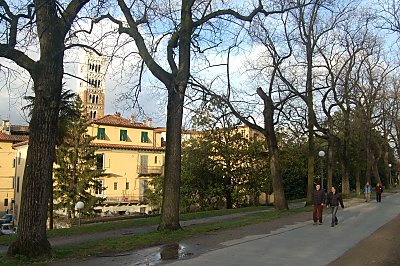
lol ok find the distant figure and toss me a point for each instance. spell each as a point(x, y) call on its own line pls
point(367, 192)
point(378, 190)
point(318, 199)
point(333, 201)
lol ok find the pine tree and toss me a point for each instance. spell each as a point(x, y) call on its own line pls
point(76, 176)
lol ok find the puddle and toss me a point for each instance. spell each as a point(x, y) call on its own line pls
point(168, 252)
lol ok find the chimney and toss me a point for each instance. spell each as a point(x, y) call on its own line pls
point(144, 121)
point(117, 114)
point(149, 120)
point(6, 127)
point(132, 119)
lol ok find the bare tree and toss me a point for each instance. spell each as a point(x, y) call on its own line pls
point(314, 21)
point(343, 53)
point(192, 24)
point(50, 22)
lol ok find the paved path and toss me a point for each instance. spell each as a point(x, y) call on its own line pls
point(300, 243)
point(304, 243)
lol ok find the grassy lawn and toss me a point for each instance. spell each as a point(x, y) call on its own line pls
point(137, 222)
point(125, 243)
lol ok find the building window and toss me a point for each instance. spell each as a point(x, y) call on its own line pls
point(100, 161)
point(115, 185)
point(18, 184)
point(5, 202)
point(99, 191)
point(162, 142)
point(101, 133)
point(145, 137)
point(127, 186)
point(155, 160)
point(123, 135)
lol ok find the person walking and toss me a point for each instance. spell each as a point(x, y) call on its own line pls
point(333, 201)
point(318, 200)
point(367, 192)
point(378, 190)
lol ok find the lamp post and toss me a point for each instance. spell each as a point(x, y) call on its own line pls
point(390, 174)
point(322, 154)
point(79, 206)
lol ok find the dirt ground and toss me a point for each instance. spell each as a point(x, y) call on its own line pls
point(382, 248)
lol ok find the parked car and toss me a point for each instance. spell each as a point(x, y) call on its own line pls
point(8, 229)
point(6, 219)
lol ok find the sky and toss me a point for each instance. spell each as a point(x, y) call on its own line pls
point(16, 84)
point(121, 75)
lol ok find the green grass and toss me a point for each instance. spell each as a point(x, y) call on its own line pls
point(137, 222)
point(126, 243)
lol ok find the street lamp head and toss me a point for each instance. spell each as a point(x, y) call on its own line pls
point(390, 165)
point(321, 153)
point(79, 205)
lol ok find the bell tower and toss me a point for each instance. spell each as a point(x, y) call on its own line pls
point(91, 85)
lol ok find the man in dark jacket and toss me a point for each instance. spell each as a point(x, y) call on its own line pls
point(333, 201)
point(318, 200)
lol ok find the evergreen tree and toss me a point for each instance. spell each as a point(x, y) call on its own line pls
point(76, 177)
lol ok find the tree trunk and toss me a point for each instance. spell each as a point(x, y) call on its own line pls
point(375, 171)
point(52, 24)
point(172, 177)
point(310, 122)
point(31, 239)
point(358, 183)
point(51, 207)
point(329, 180)
point(280, 202)
point(345, 181)
point(386, 164)
point(369, 165)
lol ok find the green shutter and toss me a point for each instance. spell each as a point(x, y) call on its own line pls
point(101, 133)
point(145, 137)
point(123, 135)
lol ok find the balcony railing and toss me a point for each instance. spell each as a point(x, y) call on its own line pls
point(149, 170)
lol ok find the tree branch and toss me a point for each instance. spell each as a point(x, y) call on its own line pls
point(17, 56)
point(70, 13)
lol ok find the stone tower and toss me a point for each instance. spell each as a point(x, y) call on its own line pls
point(91, 85)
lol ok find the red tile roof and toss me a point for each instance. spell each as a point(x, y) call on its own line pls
point(184, 131)
point(12, 138)
point(127, 147)
point(115, 120)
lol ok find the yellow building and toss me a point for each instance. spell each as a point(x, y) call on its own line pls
point(9, 135)
point(20, 150)
point(130, 153)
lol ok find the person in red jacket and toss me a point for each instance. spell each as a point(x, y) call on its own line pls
point(378, 190)
point(318, 200)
